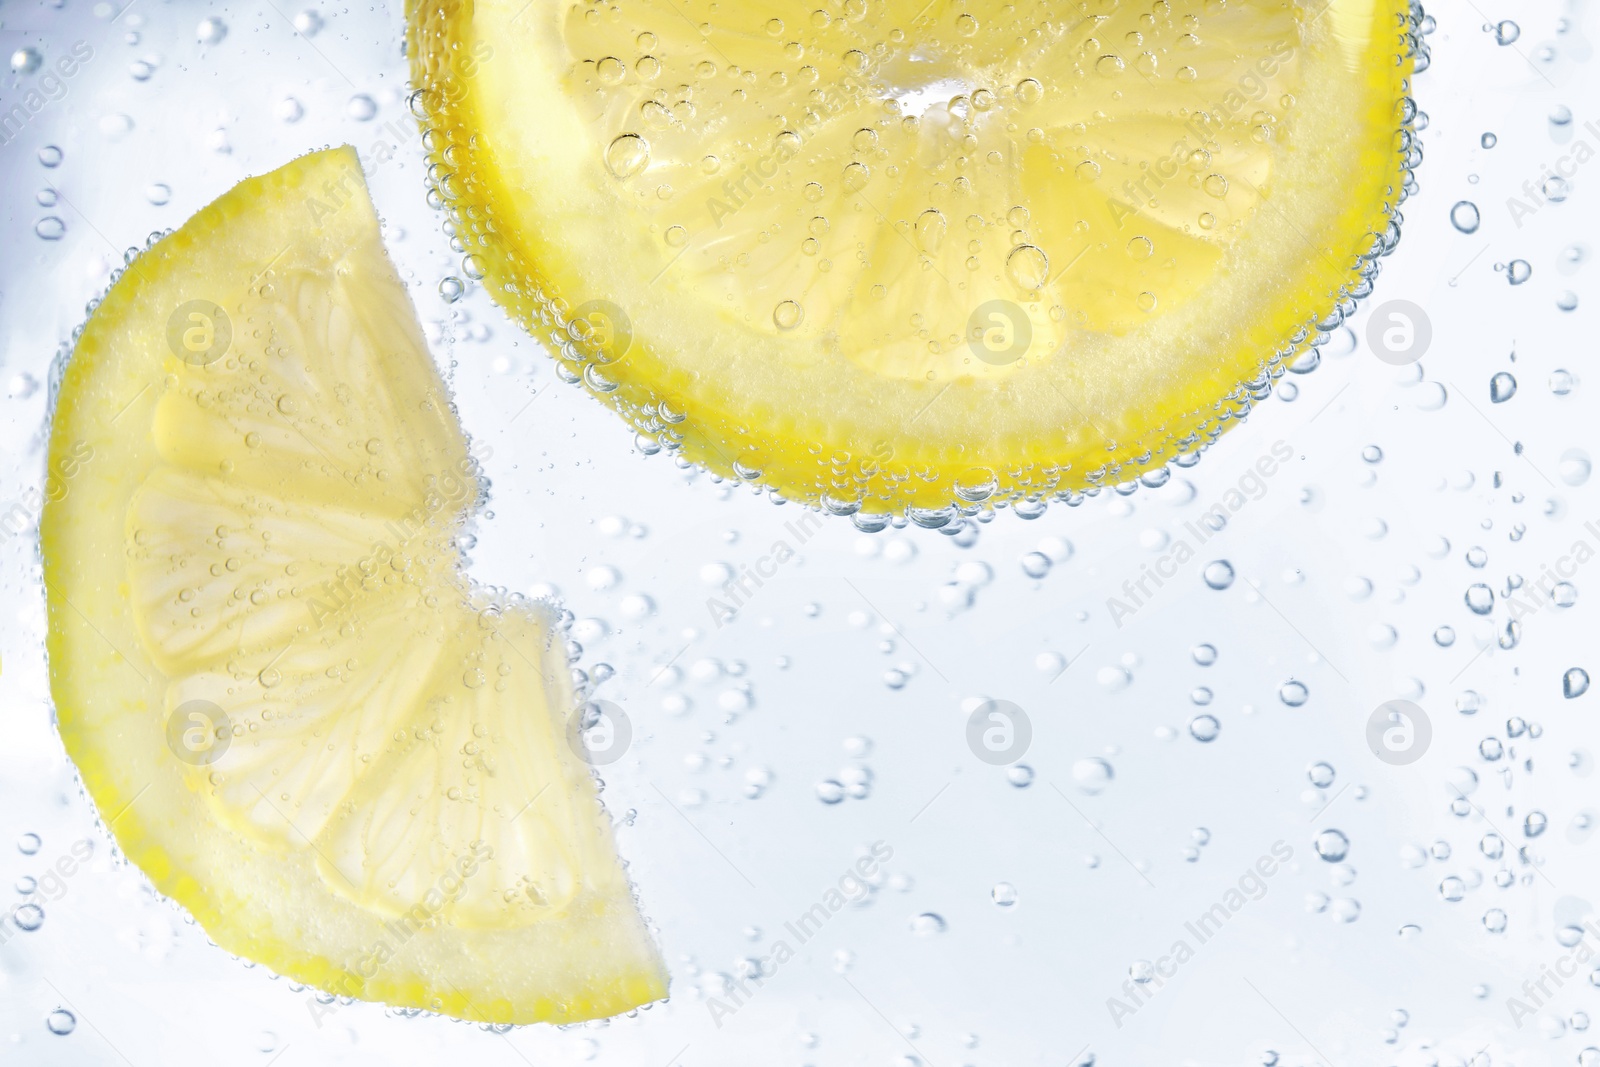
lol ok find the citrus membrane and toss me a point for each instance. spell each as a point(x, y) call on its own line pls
point(889, 256)
point(295, 713)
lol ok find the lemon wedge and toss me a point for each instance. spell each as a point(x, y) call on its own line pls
point(913, 256)
point(295, 713)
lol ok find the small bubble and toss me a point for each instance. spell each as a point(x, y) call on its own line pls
point(787, 315)
point(28, 917)
point(1560, 115)
point(1004, 894)
point(1028, 267)
point(1556, 188)
point(288, 110)
point(1293, 693)
point(830, 791)
point(1331, 845)
point(1204, 728)
point(1502, 387)
point(361, 107)
point(308, 23)
point(1488, 140)
point(1320, 774)
point(927, 924)
point(1205, 655)
point(1506, 32)
point(1494, 921)
point(50, 228)
point(29, 844)
point(61, 1022)
point(1036, 564)
point(1218, 574)
point(627, 155)
point(1479, 598)
point(1518, 271)
point(26, 60)
point(451, 289)
point(158, 193)
point(211, 30)
point(1574, 683)
point(1092, 775)
point(1464, 216)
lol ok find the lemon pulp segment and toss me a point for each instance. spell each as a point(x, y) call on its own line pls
point(295, 713)
point(893, 255)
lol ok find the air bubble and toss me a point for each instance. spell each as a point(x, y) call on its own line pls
point(1218, 574)
point(627, 155)
point(1502, 387)
point(1331, 845)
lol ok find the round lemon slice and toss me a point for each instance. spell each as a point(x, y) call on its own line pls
point(291, 708)
point(894, 256)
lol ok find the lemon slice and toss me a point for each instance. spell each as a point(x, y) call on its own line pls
point(898, 255)
point(296, 714)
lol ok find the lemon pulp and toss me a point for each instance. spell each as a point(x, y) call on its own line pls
point(893, 255)
point(295, 713)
